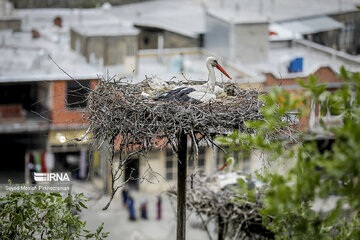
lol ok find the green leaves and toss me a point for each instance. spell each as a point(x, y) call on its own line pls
point(325, 170)
point(314, 89)
point(40, 215)
point(20, 202)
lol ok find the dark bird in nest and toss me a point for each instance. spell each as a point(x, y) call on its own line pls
point(197, 93)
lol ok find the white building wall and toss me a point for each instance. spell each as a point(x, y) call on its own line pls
point(157, 182)
point(156, 179)
point(217, 36)
point(252, 44)
point(247, 42)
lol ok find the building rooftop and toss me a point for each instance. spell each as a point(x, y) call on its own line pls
point(184, 17)
point(20, 51)
point(26, 59)
point(280, 10)
point(314, 56)
point(187, 17)
point(311, 25)
point(237, 17)
point(42, 18)
point(281, 33)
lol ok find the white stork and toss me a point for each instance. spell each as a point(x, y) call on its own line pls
point(197, 93)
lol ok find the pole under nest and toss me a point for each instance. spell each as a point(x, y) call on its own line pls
point(181, 187)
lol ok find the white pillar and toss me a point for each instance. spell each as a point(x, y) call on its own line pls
point(160, 47)
point(82, 164)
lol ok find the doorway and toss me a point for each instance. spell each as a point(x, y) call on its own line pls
point(132, 173)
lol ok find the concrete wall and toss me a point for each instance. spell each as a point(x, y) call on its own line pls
point(251, 42)
point(247, 42)
point(105, 50)
point(148, 39)
point(217, 36)
point(78, 42)
point(156, 182)
point(174, 40)
point(121, 47)
point(115, 50)
point(96, 50)
point(12, 23)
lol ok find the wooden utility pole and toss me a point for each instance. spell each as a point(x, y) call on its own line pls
point(221, 225)
point(181, 188)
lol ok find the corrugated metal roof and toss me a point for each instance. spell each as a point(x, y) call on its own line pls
point(312, 25)
point(281, 10)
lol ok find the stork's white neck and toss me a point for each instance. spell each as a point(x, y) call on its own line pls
point(212, 78)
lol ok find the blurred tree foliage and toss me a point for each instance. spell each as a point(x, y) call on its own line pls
point(44, 216)
point(317, 177)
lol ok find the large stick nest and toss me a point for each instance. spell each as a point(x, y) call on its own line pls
point(129, 118)
point(239, 214)
point(121, 109)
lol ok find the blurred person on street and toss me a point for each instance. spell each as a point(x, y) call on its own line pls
point(143, 208)
point(125, 193)
point(158, 207)
point(31, 166)
point(131, 208)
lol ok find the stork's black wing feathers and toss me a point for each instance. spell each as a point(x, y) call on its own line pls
point(179, 95)
point(169, 95)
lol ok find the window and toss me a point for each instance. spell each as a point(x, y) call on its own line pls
point(170, 165)
point(76, 95)
point(146, 41)
point(347, 36)
point(198, 164)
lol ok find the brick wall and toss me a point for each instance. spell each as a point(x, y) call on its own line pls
point(61, 115)
point(324, 75)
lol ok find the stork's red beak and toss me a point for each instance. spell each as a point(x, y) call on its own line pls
point(222, 70)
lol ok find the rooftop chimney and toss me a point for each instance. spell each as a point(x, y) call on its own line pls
point(58, 22)
point(35, 34)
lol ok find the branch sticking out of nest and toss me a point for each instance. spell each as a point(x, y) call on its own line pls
point(119, 109)
point(134, 123)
